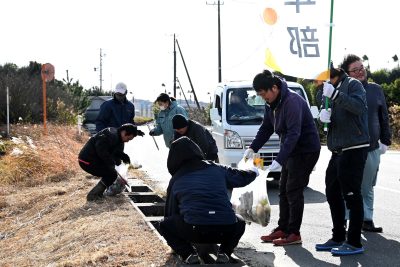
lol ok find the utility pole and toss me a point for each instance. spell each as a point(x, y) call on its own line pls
point(219, 39)
point(174, 67)
point(101, 69)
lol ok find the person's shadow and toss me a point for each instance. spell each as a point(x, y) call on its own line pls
point(379, 251)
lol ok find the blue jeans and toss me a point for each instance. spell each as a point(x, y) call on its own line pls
point(369, 181)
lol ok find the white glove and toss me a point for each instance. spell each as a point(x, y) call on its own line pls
point(253, 169)
point(382, 148)
point(248, 154)
point(328, 90)
point(275, 167)
point(325, 115)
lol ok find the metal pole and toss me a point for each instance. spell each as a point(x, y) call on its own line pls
point(8, 113)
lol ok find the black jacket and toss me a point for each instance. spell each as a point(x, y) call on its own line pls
point(104, 148)
point(202, 137)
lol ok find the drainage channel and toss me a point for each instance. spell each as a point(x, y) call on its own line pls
point(151, 207)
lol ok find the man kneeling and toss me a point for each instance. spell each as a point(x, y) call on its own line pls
point(198, 209)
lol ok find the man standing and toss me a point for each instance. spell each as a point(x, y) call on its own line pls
point(102, 152)
point(348, 140)
point(379, 136)
point(287, 114)
point(198, 209)
point(116, 111)
point(197, 133)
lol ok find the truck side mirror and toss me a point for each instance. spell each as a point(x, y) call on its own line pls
point(214, 114)
point(314, 111)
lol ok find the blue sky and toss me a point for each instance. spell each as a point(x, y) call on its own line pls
point(137, 39)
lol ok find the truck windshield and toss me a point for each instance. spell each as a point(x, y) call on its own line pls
point(244, 107)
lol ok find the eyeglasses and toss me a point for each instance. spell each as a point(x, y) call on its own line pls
point(356, 70)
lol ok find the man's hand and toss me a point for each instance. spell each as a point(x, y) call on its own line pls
point(383, 148)
point(328, 90)
point(139, 133)
point(248, 154)
point(275, 167)
point(151, 133)
point(325, 115)
point(125, 158)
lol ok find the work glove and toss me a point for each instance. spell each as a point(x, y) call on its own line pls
point(328, 90)
point(248, 154)
point(253, 169)
point(151, 133)
point(125, 158)
point(139, 133)
point(325, 115)
point(275, 166)
point(383, 148)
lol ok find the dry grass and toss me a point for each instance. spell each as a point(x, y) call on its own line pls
point(46, 221)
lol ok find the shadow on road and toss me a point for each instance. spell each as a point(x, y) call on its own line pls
point(303, 257)
point(379, 251)
point(255, 258)
point(310, 196)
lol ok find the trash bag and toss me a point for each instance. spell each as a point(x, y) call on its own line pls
point(119, 184)
point(251, 201)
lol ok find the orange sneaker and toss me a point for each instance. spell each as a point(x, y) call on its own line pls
point(276, 234)
point(291, 239)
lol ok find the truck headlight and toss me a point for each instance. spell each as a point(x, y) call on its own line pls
point(232, 140)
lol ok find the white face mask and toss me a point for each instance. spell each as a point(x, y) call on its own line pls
point(162, 108)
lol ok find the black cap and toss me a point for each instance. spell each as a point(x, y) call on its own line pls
point(179, 121)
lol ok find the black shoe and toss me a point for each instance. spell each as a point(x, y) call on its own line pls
point(192, 259)
point(222, 258)
point(370, 227)
point(97, 192)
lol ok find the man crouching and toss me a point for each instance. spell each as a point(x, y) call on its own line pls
point(198, 209)
point(102, 152)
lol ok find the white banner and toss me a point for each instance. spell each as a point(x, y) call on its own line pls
point(297, 37)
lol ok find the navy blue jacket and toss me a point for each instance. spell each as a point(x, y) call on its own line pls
point(378, 118)
point(198, 189)
point(293, 122)
point(114, 113)
point(349, 120)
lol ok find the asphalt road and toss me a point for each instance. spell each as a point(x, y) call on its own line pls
point(381, 249)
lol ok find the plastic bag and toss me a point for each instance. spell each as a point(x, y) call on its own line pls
point(119, 184)
point(251, 201)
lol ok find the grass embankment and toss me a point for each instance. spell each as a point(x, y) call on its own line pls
point(45, 219)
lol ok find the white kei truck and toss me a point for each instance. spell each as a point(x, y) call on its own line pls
point(234, 133)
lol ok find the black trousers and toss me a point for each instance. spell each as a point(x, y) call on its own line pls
point(295, 176)
point(180, 235)
point(343, 186)
point(107, 174)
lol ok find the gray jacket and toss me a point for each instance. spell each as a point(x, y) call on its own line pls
point(349, 119)
point(378, 117)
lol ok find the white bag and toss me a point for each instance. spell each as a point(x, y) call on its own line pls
point(251, 201)
point(119, 184)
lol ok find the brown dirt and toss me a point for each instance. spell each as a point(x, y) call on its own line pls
point(47, 222)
